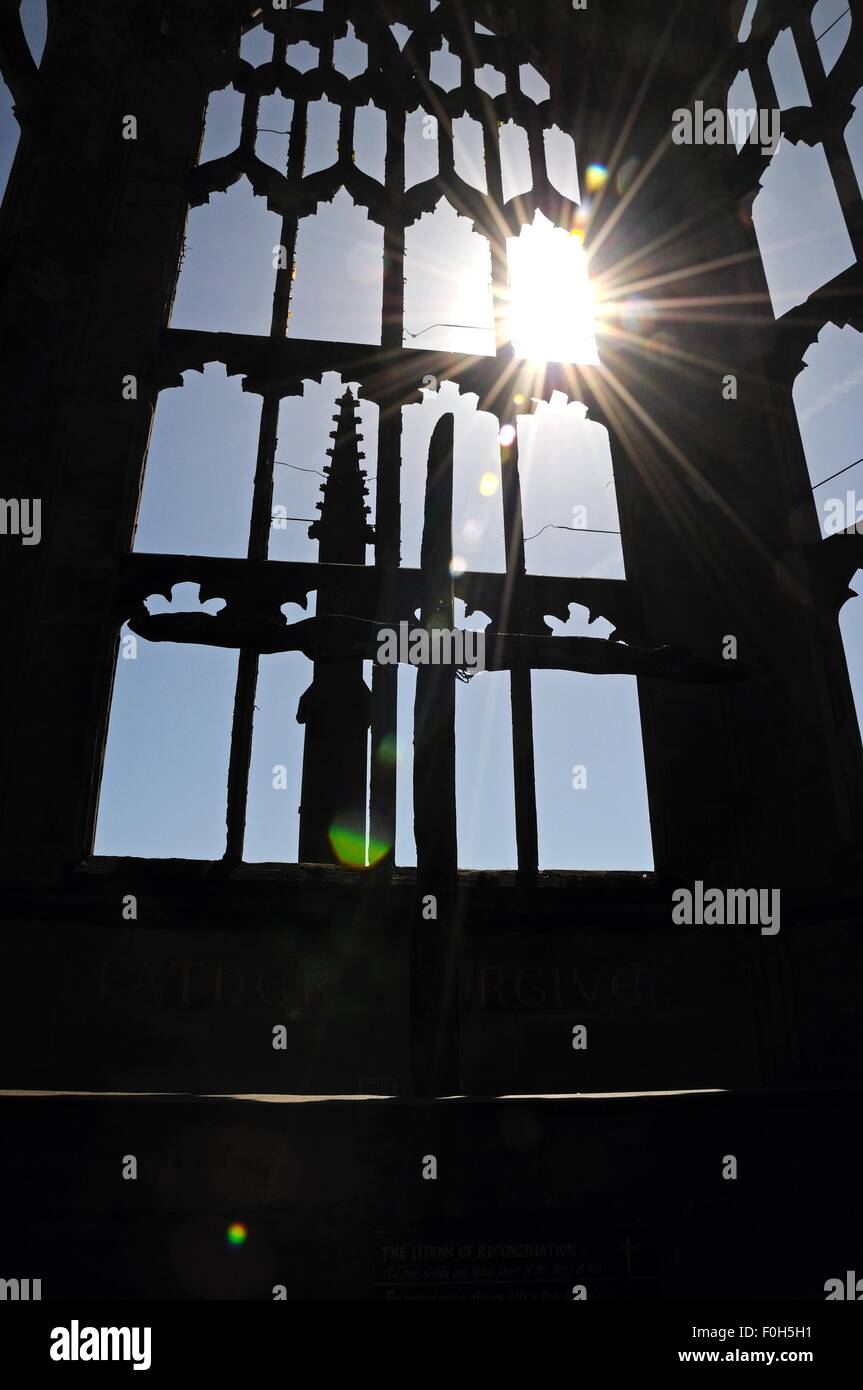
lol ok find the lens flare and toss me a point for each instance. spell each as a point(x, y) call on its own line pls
point(507, 439)
point(387, 748)
point(637, 315)
point(595, 177)
point(237, 1233)
point(350, 847)
point(627, 174)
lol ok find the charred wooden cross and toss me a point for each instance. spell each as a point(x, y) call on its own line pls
point(339, 636)
point(336, 709)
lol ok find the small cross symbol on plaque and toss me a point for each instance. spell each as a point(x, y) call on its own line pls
point(628, 1249)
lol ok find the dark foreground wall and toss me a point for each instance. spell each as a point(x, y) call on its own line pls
point(624, 1196)
point(186, 997)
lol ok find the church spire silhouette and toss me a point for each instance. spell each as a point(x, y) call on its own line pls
point(336, 707)
point(342, 531)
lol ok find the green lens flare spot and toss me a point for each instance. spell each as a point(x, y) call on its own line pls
point(349, 846)
point(350, 849)
point(386, 754)
point(377, 850)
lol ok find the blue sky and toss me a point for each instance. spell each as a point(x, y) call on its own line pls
point(166, 765)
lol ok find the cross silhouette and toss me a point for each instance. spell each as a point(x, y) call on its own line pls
point(628, 1249)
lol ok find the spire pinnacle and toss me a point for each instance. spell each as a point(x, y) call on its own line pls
point(342, 531)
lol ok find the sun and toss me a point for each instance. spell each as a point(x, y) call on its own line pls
point(551, 310)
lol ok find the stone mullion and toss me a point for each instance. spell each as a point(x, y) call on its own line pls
point(262, 505)
point(524, 772)
point(382, 808)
